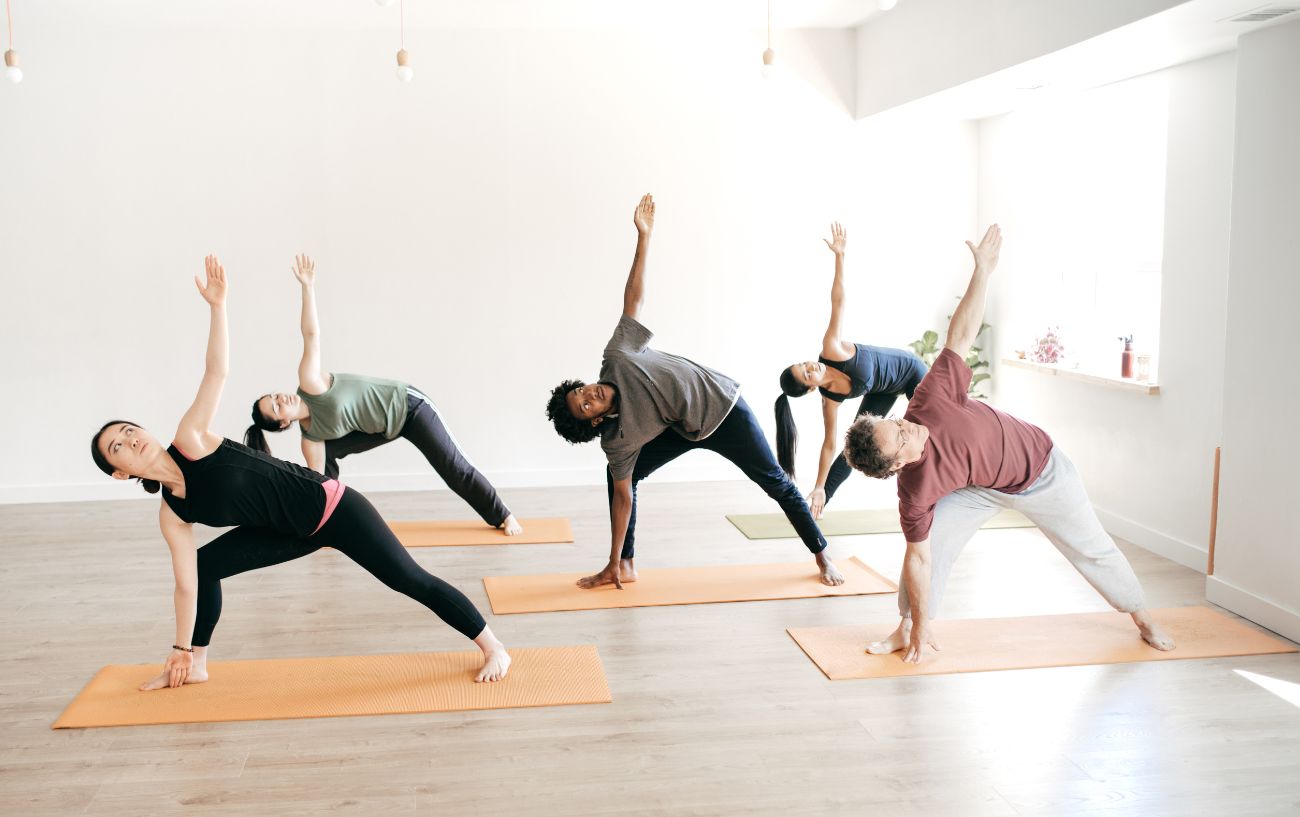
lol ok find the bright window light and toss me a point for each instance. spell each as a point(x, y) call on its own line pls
point(1082, 178)
point(1288, 691)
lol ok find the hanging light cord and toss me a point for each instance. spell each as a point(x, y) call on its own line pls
point(769, 22)
point(9, 16)
point(401, 36)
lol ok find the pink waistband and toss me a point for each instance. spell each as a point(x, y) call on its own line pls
point(333, 493)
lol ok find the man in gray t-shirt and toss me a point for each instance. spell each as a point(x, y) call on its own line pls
point(650, 407)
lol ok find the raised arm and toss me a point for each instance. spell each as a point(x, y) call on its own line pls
point(194, 426)
point(834, 346)
point(968, 318)
point(311, 378)
point(634, 291)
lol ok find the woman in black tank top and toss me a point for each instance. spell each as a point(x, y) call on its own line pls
point(281, 510)
point(843, 371)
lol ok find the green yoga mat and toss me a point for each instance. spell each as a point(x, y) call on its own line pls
point(848, 523)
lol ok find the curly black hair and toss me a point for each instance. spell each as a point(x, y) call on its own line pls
point(573, 429)
point(861, 451)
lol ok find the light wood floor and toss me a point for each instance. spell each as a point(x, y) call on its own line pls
point(716, 711)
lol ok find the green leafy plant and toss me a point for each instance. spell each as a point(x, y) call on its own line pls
point(928, 348)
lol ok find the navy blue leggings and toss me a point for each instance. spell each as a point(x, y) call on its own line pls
point(741, 440)
point(426, 431)
point(356, 530)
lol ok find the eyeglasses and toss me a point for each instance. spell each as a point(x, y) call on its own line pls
point(902, 437)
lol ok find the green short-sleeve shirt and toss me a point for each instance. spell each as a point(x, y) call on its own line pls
point(354, 402)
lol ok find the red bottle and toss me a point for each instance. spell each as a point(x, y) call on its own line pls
point(1126, 358)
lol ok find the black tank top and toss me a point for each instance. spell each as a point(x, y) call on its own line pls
point(236, 485)
point(877, 369)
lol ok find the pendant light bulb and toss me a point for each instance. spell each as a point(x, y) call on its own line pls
point(12, 67)
point(769, 56)
point(886, 5)
point(404, 70)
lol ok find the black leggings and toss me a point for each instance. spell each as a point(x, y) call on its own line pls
point(426, 431)
point(356, 530)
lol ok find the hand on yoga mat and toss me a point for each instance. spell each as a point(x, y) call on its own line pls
point(175, 672)
point(922, 637)
point(610, 575)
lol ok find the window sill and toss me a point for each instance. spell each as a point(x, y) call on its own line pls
point(1123, 384)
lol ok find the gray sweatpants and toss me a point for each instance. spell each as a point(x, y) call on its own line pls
point(1058, 504)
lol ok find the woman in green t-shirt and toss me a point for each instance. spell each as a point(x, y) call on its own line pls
point(341, 414)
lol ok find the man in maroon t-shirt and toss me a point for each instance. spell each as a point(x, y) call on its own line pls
point(959, 462)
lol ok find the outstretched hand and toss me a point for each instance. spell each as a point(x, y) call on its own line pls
point(921, 642)
point(838, 239)
point(214, 291)
point(644, 217)
point(986, 254)
point(304, 269)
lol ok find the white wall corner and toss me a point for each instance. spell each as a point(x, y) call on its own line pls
point(1264, 612)
point(1184, 553)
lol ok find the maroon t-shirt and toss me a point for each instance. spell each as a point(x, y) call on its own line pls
point(970, 443)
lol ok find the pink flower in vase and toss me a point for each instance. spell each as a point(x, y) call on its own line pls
point(1048, 348)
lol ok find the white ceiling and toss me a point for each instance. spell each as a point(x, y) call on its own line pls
point(488, 14)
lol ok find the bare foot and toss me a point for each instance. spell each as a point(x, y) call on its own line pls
point(496, 661)
point(511, 526)
point(896, 642)
point(1152, 633)
point(830, 574)
point(626, 571)
point(197, 676)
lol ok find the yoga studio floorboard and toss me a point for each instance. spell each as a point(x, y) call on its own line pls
point(716, 710)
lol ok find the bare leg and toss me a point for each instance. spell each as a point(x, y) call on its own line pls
point(1152, 633)
point(496, 661)
point(895, 642)
point(198, 673)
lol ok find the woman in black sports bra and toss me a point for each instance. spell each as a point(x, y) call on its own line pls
point(843, 371)
point(282, 511)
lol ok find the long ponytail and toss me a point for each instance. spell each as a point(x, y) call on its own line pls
point(787, 433)
point(254, 437)
point(787, 436)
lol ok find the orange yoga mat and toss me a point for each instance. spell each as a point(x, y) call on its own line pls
point(681, 585)
point(982, 644)
point(334, 687)
point(440, 533)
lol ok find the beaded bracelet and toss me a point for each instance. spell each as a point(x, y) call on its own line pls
point(182, 649)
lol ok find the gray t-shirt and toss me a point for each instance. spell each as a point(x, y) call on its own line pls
point(657, 391)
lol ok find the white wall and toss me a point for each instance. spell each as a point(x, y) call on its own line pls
point(472, 229)
point(1147, 460)
point(925, 46)
point(1257, 561)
